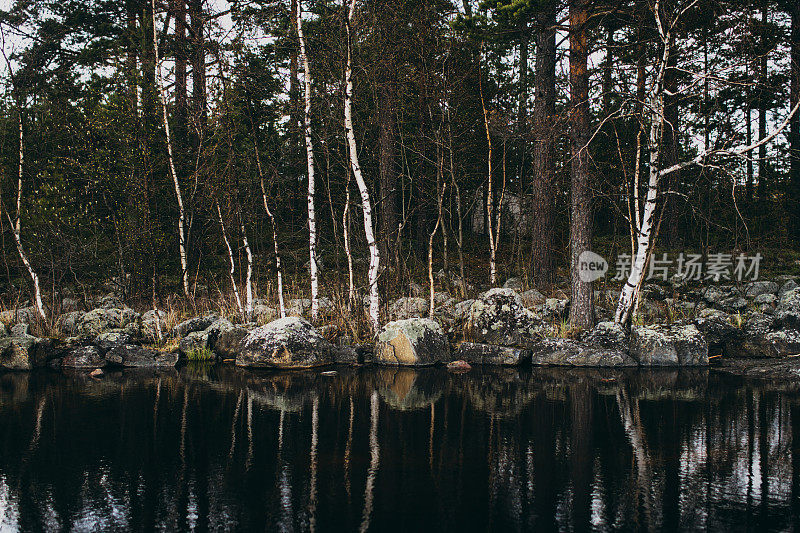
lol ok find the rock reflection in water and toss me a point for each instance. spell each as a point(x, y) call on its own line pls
point(398, 449)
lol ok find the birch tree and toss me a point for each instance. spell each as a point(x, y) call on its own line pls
point(312, 219)
point(369, 232)
point(171, 160)
point(232, 263)
point(16, 225)
point(645, 227)
point(281, 304)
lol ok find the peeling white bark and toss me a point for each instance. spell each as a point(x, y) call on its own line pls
point(374, 256)
point(281, 304)
point(248, 283)
point(171, 159)
point(232, 263)
point(312, 219)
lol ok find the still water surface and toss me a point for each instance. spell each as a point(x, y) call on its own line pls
point(220, 448)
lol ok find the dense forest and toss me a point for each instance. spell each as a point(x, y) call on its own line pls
point(268, 149)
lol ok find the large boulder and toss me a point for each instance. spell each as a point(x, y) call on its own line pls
point(678, 345)
point(153, 326)
point(25, 352)
point(227, 342)
point(720, 331)
point(87, 357)
point(194, 324)
point(412, 342)
point(477, 353)
point(788, 312)
point(194, 346)
point(96, 321)
point(289, 342)
point(569, 352)
point(131, 355)
point(758, 288)
point(111, 339)
point(499, 317)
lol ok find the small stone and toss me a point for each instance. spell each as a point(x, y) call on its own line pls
point(96, 373)
point(459, 366)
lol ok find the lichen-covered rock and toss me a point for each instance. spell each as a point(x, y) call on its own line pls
point(679, 345)
point(152, 324)
point(25, 353)
point(555, 308)
point(68, 323)
point(569, 352)
point(3, 330)
point(788, 312)
point(20, 330)
point(477, 353)
point(758, 288)
point(289, 342)
point(499, 317)
point(21, 315)
point(408, 307)
point(111, 339)
point(194, 324)
point(461, 310)
point(532, 298)
point(96, 321)
point(788, 285)
point(784, 342)
point(765, 299)
point(194, 345)
point(84, 357)
point(608, 334)
point(227, 343)
point(412, 342)
point(719, 330)
point(134, 356)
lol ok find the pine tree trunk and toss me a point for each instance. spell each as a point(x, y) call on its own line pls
point(581, 312)
point(543, 189)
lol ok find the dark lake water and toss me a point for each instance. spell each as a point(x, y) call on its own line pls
point(219, 448)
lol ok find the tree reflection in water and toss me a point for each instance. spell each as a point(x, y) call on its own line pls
point(398, 449)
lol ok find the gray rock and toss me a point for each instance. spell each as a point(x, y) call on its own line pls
point(20, 330)
point(532, 298)
point(152, 324)
point(194, 324)
point(752, 340)
point(412, 342)
point(758, 288)
point(765, 299)
point(3, 330)
point(608, 334)
point(25, 314)
point(408, 307)
point(785, 342)
point(131, 355)
point(216, 329)
point(195, 345)
point(25, 353)
point(476, 353)
point(555, 308)
point(461, 310)
point(719, 330)
point(786, 287)
point(285, 343)
point(96, 321)
point(788, 311)
point(68, 323)
point(568, 352)
point(228, 342)
point(88, 357)
point(499, 317)
point(682, 345)
point(515, 284)
point(111, 339)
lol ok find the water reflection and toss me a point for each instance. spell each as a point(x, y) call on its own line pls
point(398, 449)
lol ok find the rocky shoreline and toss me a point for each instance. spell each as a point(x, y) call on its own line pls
point(758, 322)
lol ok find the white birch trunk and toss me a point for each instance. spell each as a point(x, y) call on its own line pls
point(181, 211)
point(312, 219)
point(232, 270)
point(374, 256)
point(644, 231)
point(281, 304)
point(248, 281)
point(351, 288)
point(489, 193)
